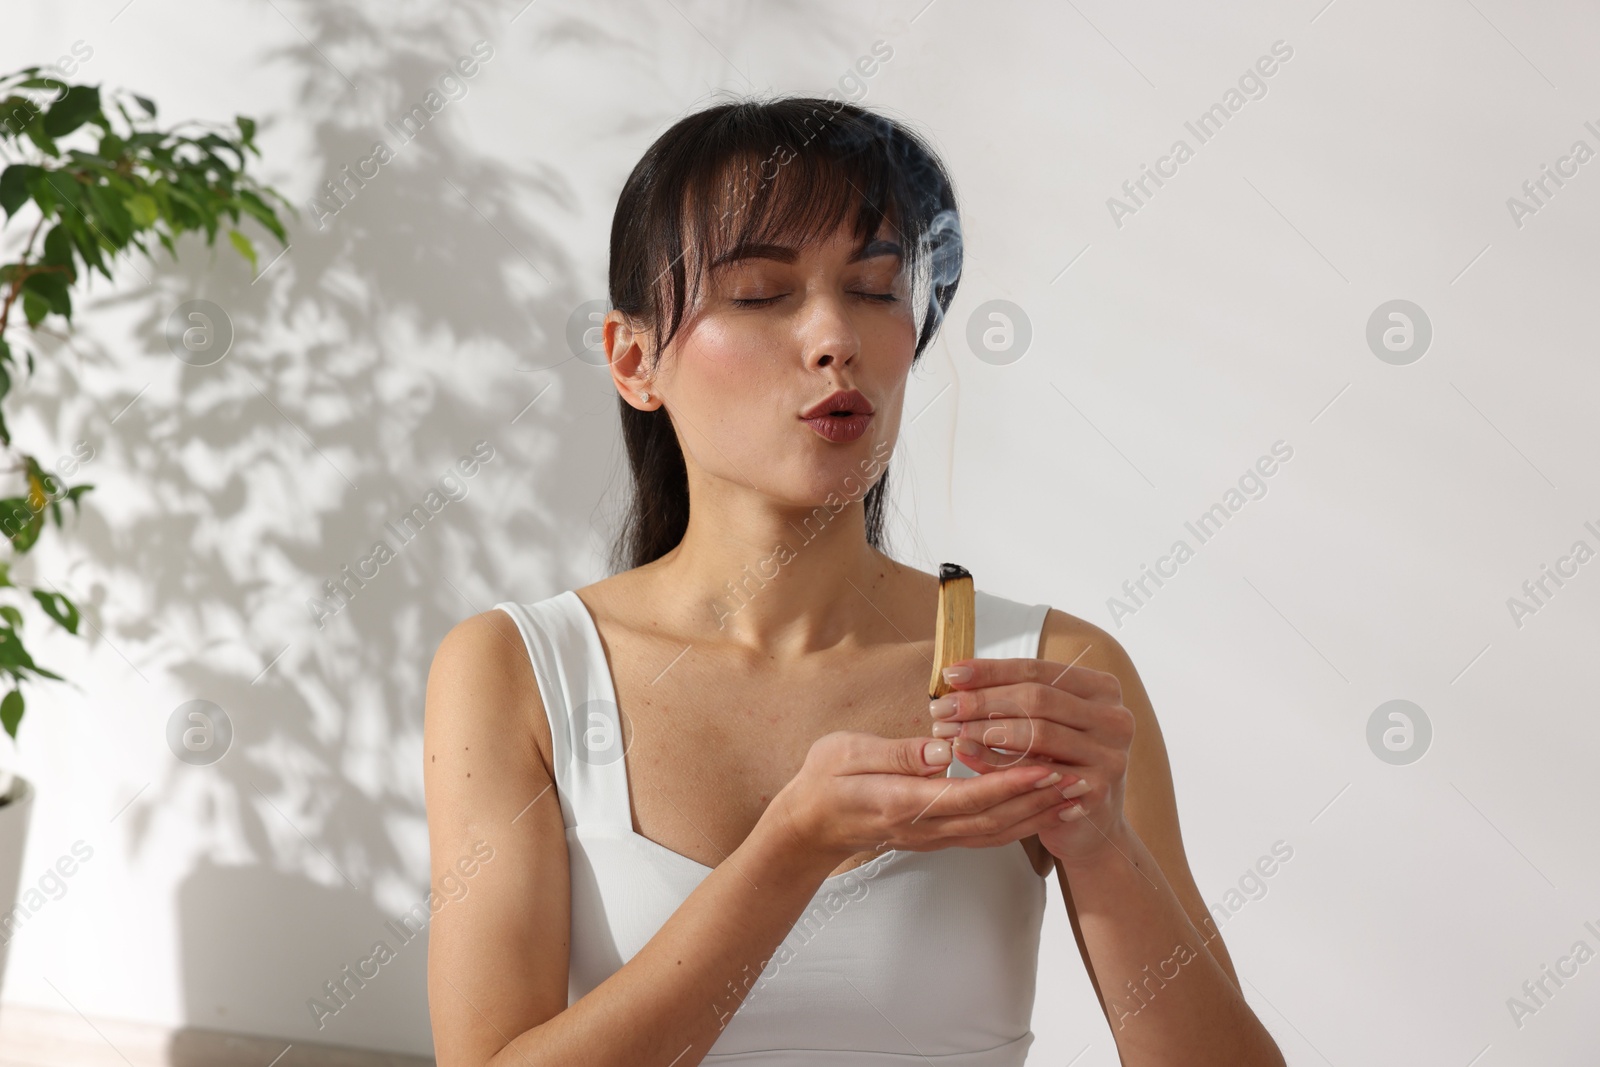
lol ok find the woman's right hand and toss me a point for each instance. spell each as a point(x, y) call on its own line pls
point(858, 792)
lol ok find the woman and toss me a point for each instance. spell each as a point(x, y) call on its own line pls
point(720, 824)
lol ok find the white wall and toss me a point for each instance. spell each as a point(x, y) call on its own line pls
point(1227, 314)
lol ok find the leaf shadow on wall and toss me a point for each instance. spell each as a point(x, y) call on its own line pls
point(421, 318)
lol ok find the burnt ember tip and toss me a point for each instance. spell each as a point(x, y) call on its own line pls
point(951, 571)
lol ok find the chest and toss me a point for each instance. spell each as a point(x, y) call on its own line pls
point(711, 739)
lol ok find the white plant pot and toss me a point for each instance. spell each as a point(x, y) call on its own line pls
point(15, 811)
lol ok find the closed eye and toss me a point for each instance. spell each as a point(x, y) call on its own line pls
point(751, 302)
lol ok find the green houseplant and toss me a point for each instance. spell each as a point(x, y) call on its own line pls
point(88, 179)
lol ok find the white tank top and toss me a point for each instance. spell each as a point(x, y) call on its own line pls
point(910, 958)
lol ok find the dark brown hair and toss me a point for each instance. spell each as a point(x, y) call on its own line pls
point(789, 170)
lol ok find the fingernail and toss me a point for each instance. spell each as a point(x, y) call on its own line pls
point(944, 707)
point(957, 674)
point(936, 753)
point(1055, 776)
point(1074, 812)
point(966, 746)
point(946, 729)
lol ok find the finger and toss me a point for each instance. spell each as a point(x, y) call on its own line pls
point(937, 797)
point(1036, 738)
point(1023, 700)
point(941, 831)
point(1013, 819)
point(985, 760)
point(858, 752)
point(1080, 681)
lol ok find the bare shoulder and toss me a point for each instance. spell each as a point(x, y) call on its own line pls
point(1065, 638)
point(481, 682)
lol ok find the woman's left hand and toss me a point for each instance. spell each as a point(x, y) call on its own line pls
point(1069, 718)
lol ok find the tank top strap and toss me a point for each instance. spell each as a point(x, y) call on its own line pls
point(1004, 628)
point(586, 738)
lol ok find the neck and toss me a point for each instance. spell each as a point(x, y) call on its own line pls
point(789, 580)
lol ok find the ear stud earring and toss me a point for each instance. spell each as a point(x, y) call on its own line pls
point(645, 397)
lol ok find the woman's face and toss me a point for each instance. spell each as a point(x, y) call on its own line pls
point(775, 332)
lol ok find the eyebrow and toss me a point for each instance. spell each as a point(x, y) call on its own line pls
point(786, 254)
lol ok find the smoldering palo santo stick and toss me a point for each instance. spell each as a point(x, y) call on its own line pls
point(953, 631)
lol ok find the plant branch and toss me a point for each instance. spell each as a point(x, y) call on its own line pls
point(16, 280)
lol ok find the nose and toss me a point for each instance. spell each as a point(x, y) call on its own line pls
point(829, 337)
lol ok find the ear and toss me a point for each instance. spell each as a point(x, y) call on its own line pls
point(630, 354)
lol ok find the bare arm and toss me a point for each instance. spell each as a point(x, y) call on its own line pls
point(1137, 914)
point(498, 955)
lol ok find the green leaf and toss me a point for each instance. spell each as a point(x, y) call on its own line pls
point(42, 185)
point(65, 612)
point(52, 287)
point(146, 103)
point(12, 614)
point(262, 214)
point(244, 247)
point(11, 652)
point(11, 711)
point(14, 514)
point(112, 218)
point(34, 307)
point(143, 210)
point(58, 251)
point(88, 242)
point(80, 104)
point(38, 135)
point(247, 128)
point(14, 186)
